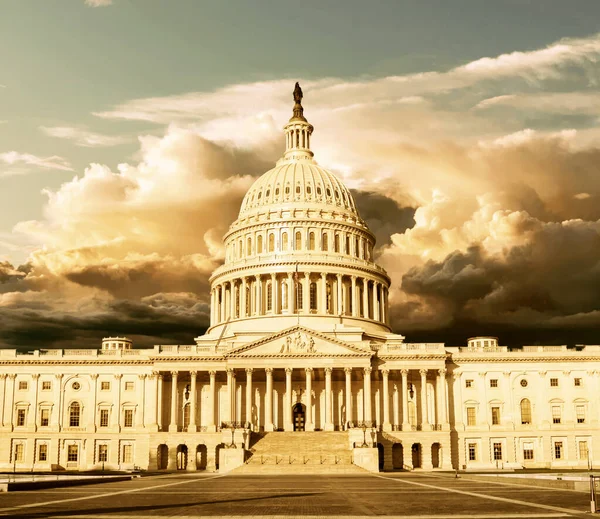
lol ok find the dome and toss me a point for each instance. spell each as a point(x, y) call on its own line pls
point(298, 183)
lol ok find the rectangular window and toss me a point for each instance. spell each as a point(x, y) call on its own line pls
point(493, 382)
point(45, 417)
point(102, 453)
point(128, 419)
point(553, 382)
point(577, 382)
point(468, 383)
point(497, 452)
point(471, 417)
point(472, 452)
point(558, 450)
point(73, 453)
point(46, 385)
point(583, 450)
point(128, 386)
point(580, 411)
point(528, 451)
point(19, 451)
point(495, 416)
point(103, 417)
point(43, 452)
point(556, 415)
point(128, 453)
point(21, 414)
point(105, 386)
point(23, 385)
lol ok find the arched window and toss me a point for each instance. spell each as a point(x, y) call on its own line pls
point(347, 251)
point(298, 189)
point(240, 249)
point(324, 244)
point(237, 301)
point(299, 296)
point(277, 191)
point(259, 244)
point(525, 411)
point(284, 241)
point(356, 247)
point(269, 296)
point(336, 243)
point(309, 189)
point(311, 241)
point(313, 296)
point(271, 243)
point(298, 241)
point(248, 310)
point(284, 295)
point(74, 414)
point(249, 247)
point(186, 415)
point(328, 193)
point(329, 305)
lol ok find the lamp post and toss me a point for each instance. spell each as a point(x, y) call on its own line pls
point(364, 430)
point(232, 444)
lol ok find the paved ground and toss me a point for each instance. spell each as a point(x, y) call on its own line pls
point(186, 496)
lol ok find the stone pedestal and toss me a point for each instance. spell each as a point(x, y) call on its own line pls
point(230, 459)
point(366, 458)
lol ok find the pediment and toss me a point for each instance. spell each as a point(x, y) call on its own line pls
point(298, 342)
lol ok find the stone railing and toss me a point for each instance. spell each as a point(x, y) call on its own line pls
point(425, 347)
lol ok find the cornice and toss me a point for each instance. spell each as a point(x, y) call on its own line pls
point(541, 358)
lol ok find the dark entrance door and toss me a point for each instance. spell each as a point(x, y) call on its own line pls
point(299, 414)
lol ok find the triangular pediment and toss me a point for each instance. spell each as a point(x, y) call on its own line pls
point(296, 342)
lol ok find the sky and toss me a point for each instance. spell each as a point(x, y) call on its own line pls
point(130, 130)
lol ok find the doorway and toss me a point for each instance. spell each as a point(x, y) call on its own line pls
point(182, 454)
point(299, 416)
point(162, 457)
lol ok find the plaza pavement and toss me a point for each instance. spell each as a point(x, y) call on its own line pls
point(185, 496)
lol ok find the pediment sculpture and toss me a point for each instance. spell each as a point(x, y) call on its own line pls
point(298, 343)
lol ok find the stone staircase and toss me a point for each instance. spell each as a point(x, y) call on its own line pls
point(299, 453)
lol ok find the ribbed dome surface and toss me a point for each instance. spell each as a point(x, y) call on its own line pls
point(298, 182)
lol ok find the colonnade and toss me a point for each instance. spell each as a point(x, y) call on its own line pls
point(299, 292)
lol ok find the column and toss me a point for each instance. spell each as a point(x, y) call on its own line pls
point(395, 405)
point(91, 426)
point(349, 417)
point(153, 401)
point(440, 400)
point(2, 398)
point(353, 297)
point(365, 298)
point(211, 426)
point(243, 309)
point(425, 425)
point(328, 400)
point(367, 394)
point(308, 424)
point(387, 426)
point(258, 302)
point(32, 417)
point(193, 426)
point(384, 304)
point(275, 294)
point(232, 289)
point(306, 293)
point(222, 304)
point(141, 398)
point(323, 302)
point(405, 422)
point(159, 401)
point(291, 293)
point(288, 425)
point(117, 415)
point(249, 397)
point(56, 409)
point(269, 400)
point(173, 423)
point(230, 414)
point(339, 308)
point(375, 304)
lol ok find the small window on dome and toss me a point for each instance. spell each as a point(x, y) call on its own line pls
point(277, 192)
point(309, 189)
point(319, 191)
point(298, 189)
point(259, 195)
point(337, 194)
point(287, 190)
point(268, 192)
point(328, 193)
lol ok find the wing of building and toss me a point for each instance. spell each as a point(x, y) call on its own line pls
point(299, 364)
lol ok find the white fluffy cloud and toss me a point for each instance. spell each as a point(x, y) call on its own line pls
point(83, 137)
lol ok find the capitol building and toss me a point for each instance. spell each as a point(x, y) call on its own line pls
point(300, 369)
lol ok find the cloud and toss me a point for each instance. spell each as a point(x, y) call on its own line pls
point(98, 3)
point(20, 163)
point(83, 137)
point(550, 103)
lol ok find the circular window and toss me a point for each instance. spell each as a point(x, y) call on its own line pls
point(76, 386)
point(523, 382)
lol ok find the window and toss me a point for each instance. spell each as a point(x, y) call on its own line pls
point(577, 382)
point(76, 386)
point(556, 414)
point(468, 383)
point(313, 296)
point(21, 414)
point(299, 296)
point(472, 452)
point(74, 414)
point(284, 241)
point(73, 453)
point(347, 251)
point(19, 451)
point(324, 244)
point(271, 243)
point(128, 418)
point(249, 247)
point(104, 386)
point(471, 416)
point(493, 382)
point(269, 296)
point(583, 450)
point(523, 382)
point(528, 451)
point(284, 295)
point(558, 450)
point(553, 382)
point(259, 244)
point(495, 416)
point(129, 386)
point(356, 248)
point(46, 385)
point(580, 413)
point(298, 244)
point(103, 417)
point(336, 243)
point(240, 249)
point(311, 241)
point(128, 453)
point(43, 452)
point(103, 453)
point(23, 385)
point(298, 189)
point(248, 310)
point(525, 411)
point(497, 451)
point(44, 417)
